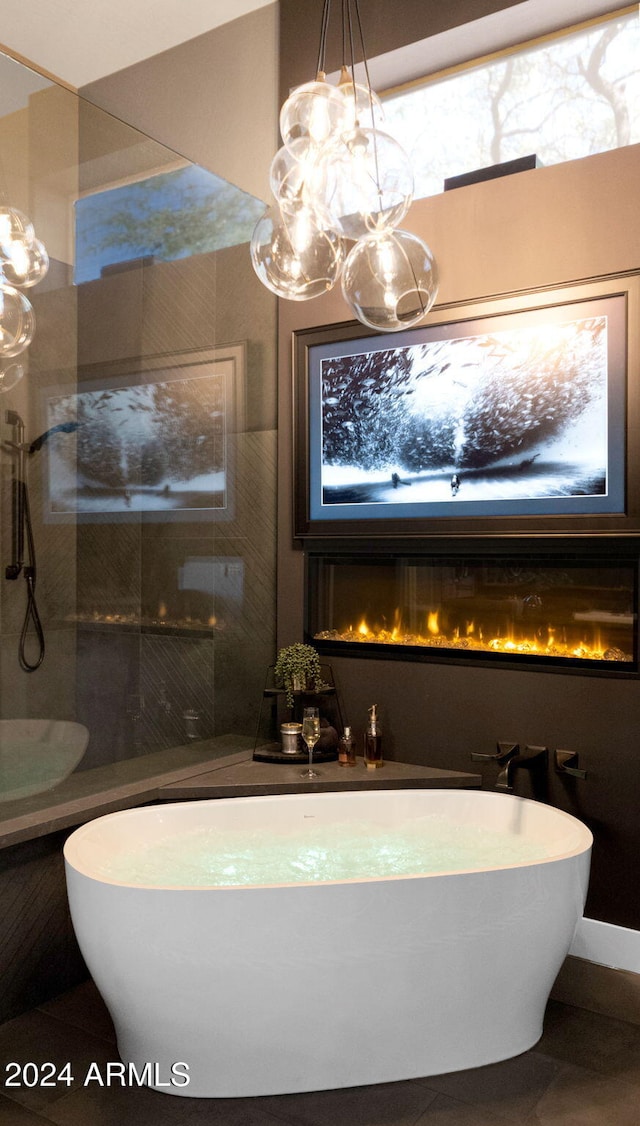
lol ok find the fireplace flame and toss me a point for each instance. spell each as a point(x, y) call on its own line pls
point(433, 624)
point(469, 636)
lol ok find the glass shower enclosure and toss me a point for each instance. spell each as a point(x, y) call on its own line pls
point(137, 481)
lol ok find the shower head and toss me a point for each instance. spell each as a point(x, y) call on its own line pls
point(62, 428)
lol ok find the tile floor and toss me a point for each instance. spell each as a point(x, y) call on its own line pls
point(585, 1071)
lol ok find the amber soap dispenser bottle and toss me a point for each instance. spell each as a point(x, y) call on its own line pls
point(373, 740)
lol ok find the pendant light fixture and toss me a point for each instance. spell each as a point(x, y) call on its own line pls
point(341, 186)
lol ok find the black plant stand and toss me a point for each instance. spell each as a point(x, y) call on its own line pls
point(274, 701)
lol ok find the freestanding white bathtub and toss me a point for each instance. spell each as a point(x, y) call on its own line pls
point(293, 987)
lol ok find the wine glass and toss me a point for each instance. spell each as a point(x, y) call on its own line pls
point(310, 734)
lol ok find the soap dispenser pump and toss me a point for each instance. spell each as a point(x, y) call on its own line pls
point(373, 740)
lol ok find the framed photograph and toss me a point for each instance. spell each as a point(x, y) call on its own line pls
point(150, 439)
point(512, 415)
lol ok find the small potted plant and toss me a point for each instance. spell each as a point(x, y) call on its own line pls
point(297, 669)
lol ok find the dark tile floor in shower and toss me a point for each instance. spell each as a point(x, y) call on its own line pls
point(584, 1072)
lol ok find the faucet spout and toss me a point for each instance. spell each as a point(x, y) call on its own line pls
point(504, 755)
point(529, 756)
point(503, 781)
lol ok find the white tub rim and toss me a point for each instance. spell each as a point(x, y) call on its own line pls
point(73, 845)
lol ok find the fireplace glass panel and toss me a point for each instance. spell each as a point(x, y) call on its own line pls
point(550, 612)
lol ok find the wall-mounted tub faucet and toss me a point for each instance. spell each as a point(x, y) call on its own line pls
point(528, 757)
point(504, 754)
point(509, 756)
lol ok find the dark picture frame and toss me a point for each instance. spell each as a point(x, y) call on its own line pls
point(151, 439)
point(513, 415)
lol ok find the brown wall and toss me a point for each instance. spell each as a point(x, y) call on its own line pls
point(546, 227)
point(387, 25)
point(212, 99)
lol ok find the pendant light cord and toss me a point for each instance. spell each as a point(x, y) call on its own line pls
point(374, 131)
point(364, 59)
point(322, 47)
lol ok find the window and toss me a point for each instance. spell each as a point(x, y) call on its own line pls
point(561, 98)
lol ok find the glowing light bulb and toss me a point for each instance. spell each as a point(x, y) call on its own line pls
point(390, 280)
point(361, 182)
point(293, 256)
point(313, 112)
point(362, 105)
point(290, 169)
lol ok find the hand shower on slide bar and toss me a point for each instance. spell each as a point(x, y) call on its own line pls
point(21, 531)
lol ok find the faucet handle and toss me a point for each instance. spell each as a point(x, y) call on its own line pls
point(567, 763)
point(507, 750)
point(504, 752)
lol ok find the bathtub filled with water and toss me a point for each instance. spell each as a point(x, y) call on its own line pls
point(308, 941)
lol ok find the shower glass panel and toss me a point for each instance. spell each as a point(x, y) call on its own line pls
point(138, 434)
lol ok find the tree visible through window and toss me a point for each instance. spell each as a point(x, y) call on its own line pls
point(562, 99)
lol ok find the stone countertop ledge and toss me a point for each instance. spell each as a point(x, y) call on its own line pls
point(246, 778)
point(214, 768)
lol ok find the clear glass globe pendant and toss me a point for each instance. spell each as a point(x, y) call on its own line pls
point(292, 251)
point(340, 178)
point(363, 106)
point(361, 182)
point(390, 280)
point(293, 256)
point(290, 170)
point(314, 112)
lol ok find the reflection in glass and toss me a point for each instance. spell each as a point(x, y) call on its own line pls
point(145, 447)
point(167, 216)
point(139, 445)
point(17, 321)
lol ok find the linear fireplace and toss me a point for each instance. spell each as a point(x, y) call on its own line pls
point(553, 612)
